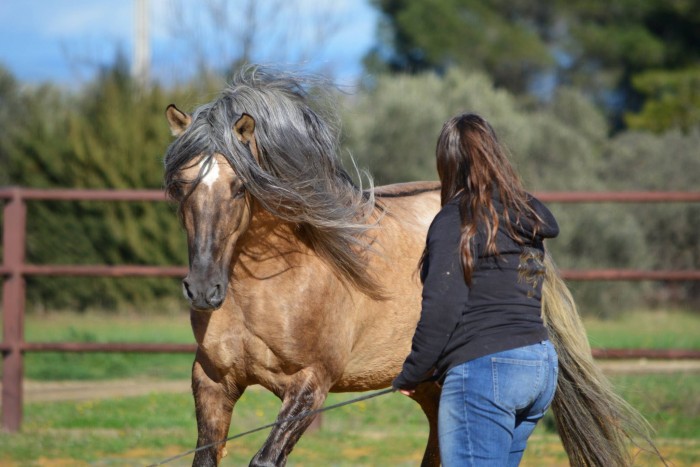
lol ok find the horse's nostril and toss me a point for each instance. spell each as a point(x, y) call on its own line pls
point(214, 297)
point(186, 290)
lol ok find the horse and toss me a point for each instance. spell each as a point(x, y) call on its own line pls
point(304, 282)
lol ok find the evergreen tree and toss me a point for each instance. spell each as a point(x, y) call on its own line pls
point(110, 135)
point(672, 100)
point(529, 47)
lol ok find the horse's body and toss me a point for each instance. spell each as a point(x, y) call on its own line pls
point(287, 311)
point(291, 325)
point(285, 298)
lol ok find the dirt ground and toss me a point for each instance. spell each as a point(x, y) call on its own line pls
point(52, 391)
point(47, 391)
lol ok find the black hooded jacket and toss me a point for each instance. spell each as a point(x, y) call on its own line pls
point(500, 311)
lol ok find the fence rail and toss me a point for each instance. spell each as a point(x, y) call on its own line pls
point(14, 270)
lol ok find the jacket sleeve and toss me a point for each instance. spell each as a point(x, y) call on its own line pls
point(445, 296)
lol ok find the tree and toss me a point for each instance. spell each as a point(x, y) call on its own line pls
point(472, 34)
point(110, 135)
point(392, 127)
point(612, 43)
point(636, 160)
point(594, 45)
point(12, 113)
point(672, 100)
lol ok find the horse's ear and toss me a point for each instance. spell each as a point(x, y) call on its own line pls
point(244, 129)
point(177, 119)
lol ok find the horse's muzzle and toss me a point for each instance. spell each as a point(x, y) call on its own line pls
point(204, 295)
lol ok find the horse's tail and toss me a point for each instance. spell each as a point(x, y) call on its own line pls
point(594, 423)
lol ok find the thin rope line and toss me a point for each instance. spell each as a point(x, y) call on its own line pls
point(279, 422)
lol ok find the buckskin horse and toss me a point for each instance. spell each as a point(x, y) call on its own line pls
point(302, 282)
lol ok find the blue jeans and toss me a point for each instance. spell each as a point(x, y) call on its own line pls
point(489, 406)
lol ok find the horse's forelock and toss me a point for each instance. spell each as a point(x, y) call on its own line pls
point(208, 134)
point(297, 146)
point(288, 130)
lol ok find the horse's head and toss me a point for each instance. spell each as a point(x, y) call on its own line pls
point(286, 159)
point(214, 208)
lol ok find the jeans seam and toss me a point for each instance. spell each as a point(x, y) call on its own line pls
point(470, 453)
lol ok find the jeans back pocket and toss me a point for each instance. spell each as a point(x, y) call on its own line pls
point(516, 383)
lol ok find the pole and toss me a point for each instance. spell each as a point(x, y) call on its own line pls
point(142, 49)
point(13, 300)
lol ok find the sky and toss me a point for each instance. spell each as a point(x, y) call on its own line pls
point(67, 41)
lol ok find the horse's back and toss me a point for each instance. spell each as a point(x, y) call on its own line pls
point(406, 189)
point(412, 206)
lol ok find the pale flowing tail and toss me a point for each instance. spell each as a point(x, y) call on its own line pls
point(594, 423)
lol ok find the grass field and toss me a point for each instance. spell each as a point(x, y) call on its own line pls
point(389, 430)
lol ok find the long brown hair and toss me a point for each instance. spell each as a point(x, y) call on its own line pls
point(472, 164)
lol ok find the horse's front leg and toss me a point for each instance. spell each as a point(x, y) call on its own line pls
point(305, 393)
point(214, 401)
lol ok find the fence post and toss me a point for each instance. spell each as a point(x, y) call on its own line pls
point(13, 300)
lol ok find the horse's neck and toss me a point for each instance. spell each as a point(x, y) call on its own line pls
point(271, 247)
point(268, 243)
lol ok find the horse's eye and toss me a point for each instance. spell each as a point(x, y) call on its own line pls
point(238, 190)
point(176, 192)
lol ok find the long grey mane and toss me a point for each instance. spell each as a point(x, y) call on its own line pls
point(299, 177)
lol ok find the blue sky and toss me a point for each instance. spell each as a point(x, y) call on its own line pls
point(65, 41)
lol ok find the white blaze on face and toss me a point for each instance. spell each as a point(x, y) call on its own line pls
point(212, 174)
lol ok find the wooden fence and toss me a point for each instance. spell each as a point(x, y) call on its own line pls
point(14, 270)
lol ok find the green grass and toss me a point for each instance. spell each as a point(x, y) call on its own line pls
point(670, 402)
point(101, 327)
point(106, 327)
point(646, 329)
point(389, 430)
point(385, 431)
point(150, 428)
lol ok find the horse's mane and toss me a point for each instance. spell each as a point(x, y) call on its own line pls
point(299, 177)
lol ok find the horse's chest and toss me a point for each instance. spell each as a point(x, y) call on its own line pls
point(238, 346)
point(224, 349)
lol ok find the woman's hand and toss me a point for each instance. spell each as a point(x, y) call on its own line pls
point(407, 392)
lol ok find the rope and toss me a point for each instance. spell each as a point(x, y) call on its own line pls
point(277, 423)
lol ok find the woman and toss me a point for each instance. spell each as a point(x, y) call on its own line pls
point(480, 334)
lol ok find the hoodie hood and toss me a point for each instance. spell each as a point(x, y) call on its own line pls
point(547, 229)
point(525, 226)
